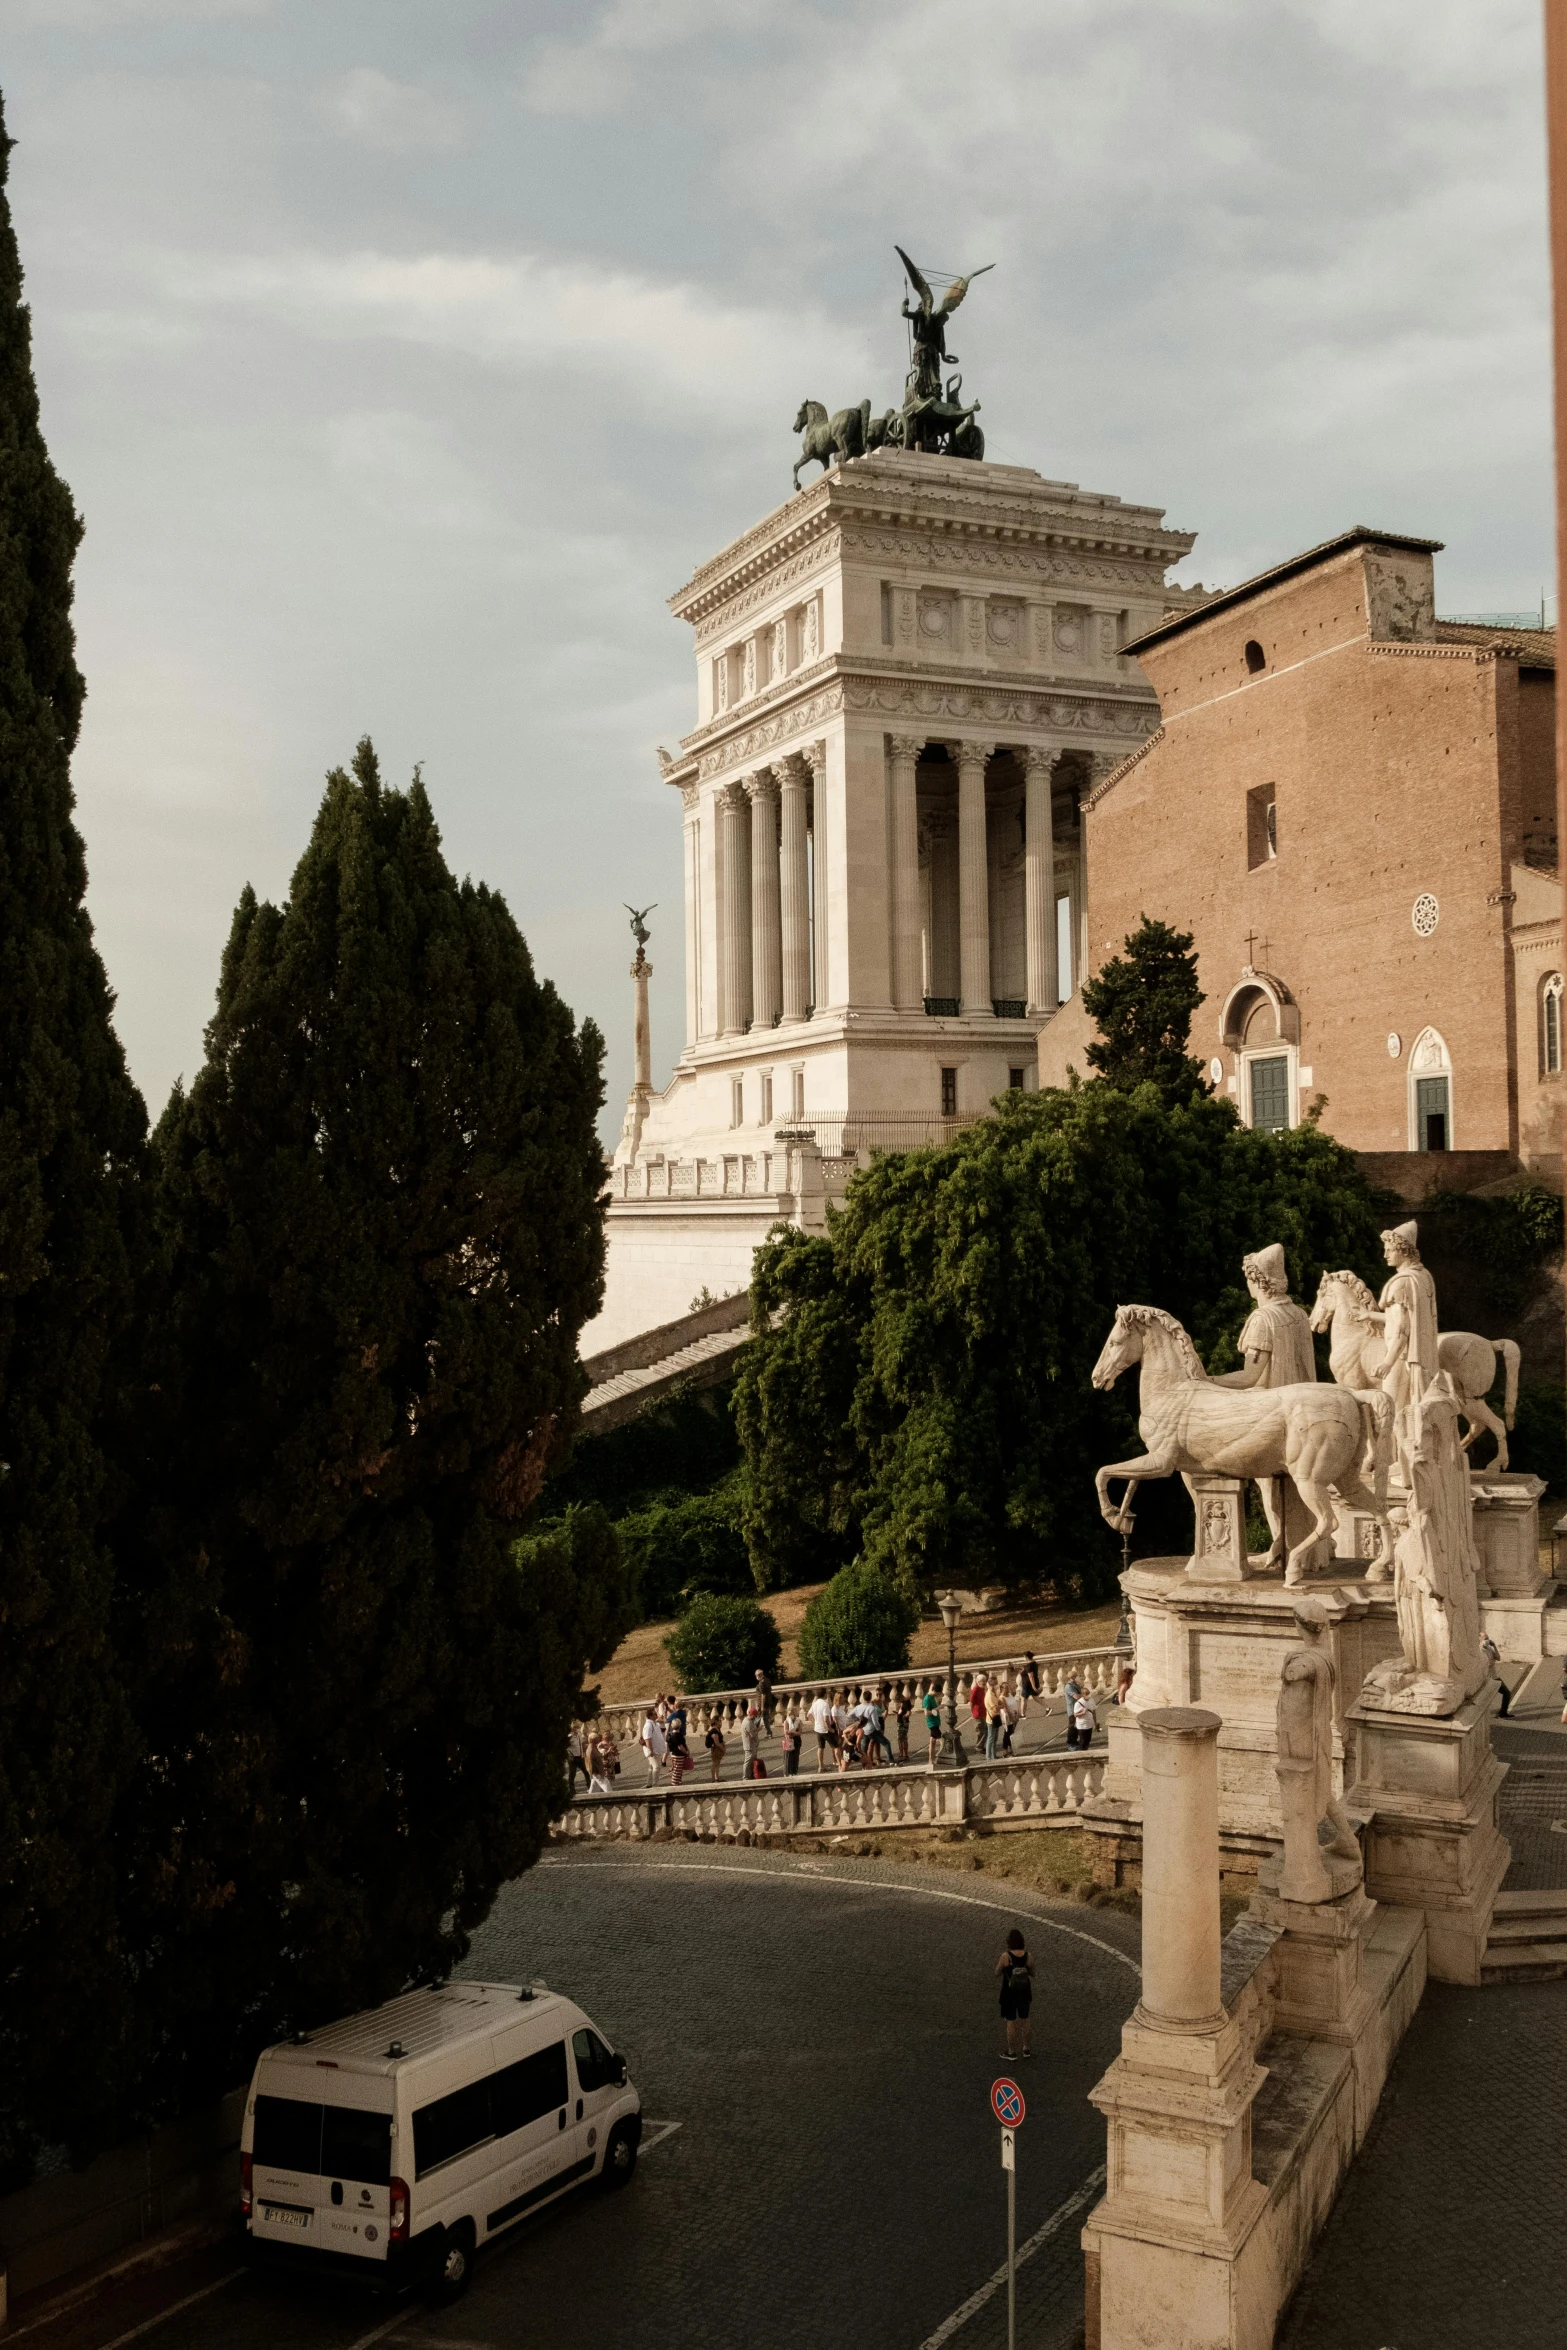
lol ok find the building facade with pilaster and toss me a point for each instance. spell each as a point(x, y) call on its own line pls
point(909, 680)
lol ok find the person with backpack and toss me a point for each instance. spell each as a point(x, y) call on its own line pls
point(717, 1745)
point(1016, 1971)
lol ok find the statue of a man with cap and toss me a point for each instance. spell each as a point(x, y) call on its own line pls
point(1276, 1342)
point(1407, 1314)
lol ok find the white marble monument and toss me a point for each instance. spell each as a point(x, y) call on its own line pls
point(909, 676)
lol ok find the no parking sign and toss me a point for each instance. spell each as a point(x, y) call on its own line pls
point(1006, 2100)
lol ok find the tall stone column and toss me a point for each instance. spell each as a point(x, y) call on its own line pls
point(907, 979)
point(974, 879)
point(816, 760)
point(794, 895)
point(1077, 892)
point(691, 841)
point(766, 970)
point(735, 939)
point(1039, 884)
point(1180, 1870)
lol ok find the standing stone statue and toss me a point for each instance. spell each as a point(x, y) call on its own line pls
point(1434, 1569)
point(1313, 1870)
point(1407, 1315)
point(1276, 1342)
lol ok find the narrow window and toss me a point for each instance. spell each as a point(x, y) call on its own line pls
point(949, 1093)
point(1262, 826)
point(737, 1101)
point(1256, 658)
point(1270, 1093)
point(1015, 1080)
point(766, 1118)
point(797, 1084)
point(1551, 1009)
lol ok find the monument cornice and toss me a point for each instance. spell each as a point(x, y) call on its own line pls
point(952, 501)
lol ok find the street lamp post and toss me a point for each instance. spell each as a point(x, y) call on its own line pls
point(952, 1756)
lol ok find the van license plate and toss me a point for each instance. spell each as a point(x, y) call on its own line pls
point(282, 2216)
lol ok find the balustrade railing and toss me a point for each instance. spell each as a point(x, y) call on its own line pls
point(1034, 1792)
point(1096, 1669)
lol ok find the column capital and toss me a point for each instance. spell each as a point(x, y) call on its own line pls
point(792, 770)
point(1037, 760)
point(761, 785)
point(732, 795)
point(905, 746)
point(970, 754)
point(815, 757)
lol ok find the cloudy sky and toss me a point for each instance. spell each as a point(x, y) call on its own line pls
point(404, 355)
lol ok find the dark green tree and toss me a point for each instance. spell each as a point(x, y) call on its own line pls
point(860, 1622)
point(720, 1641)
point(384, 1234)
point(1143, 1004)
point(72, 1145)
point(917, 1385)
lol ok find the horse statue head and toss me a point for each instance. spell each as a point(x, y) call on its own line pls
point(1131, 1332)
point(811, 412)
point(1334, 1290)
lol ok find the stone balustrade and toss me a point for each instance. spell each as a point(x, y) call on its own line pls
point(1047, 1791)
point(1096, 1668)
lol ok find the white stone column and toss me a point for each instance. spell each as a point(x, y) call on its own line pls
point(794, 898)
point(1039, 884)
point(735, 926)
point(1077, 893)
point(907, 983)
point(691, 843)
point(766, 972)
point(974, 879)
point(1180, 1870)
point(816, 760)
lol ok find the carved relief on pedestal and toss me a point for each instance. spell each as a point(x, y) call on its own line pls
point(748, 669)
point(780, 655)
point(811, 631)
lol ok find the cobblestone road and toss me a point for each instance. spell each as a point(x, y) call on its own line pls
point(824, 2033)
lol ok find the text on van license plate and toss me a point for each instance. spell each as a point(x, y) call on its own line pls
point(282, 2216)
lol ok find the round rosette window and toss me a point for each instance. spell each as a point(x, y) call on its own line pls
point(1425, 914)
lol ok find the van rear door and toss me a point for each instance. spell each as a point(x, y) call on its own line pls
point(321, 2171)
point(541, 2147)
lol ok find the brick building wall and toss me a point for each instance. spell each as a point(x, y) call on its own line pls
point(1340, 804)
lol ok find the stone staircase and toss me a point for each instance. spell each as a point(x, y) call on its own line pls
point(1528, 1939)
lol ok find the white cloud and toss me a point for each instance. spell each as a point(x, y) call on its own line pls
point(400, 117)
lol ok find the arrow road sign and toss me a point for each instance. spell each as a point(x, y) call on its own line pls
point(1009, 2150)
point(1006, 2100)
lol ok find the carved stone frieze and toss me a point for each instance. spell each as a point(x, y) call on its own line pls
point(992, 705)
point(1054, 566)
point(718, 622)
point(690, 798)
point(783, 726)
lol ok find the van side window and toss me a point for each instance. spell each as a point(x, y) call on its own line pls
point(595, 2063)
point(451, 2126)
point(328, 2141)
point(527, 2091)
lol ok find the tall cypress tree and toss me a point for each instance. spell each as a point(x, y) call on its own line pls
point(382, 1202)
point(72, 1137)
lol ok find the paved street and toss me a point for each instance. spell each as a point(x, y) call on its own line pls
point(825, 2043)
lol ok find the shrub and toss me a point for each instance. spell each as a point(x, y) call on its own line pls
point(1539, 1437)
point(684, 1544)
point(860, 1622)
point(719, 1642)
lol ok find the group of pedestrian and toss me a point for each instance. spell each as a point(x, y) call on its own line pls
point(855, 1735)
point(1082, 1718)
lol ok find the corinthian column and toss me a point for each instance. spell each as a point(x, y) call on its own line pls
point(794, 885)
point(735, 975)
point(766, 980)
point(973, 878)
point(816, 760)
point(907, 978)
point(1039, 884)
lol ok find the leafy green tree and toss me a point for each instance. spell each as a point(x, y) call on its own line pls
point(719, 1642)
point(72, 1152)
point(1143, 1004)
point(384, 1235)
point(684, 1543)
point(860, 1622)
point(917, 1384)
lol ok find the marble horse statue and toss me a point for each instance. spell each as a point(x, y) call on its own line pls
point(1317, 1434)
point(1346, 1309)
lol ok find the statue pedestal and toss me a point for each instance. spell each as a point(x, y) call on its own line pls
point(1429, 1784)
point(1514, 1590)
point(1219, 1506)
point(1347, 1971)
point(1223, 1644)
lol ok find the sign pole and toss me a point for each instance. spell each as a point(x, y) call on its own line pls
point(1011, 2253)
point(1006, 2100)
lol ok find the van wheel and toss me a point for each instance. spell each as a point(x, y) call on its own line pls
point(451, 2278)
point(620, 2157)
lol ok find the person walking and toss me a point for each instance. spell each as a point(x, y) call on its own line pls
point(751, 1743)
point(992, 1718)
point(1071, 1691)
point(575, 1748)
point(876, 1731)
point(1011, 1705)
point(605, 1757)
point(789, 1741)
point(976, 1703)
point(675, 1738)
point(930, 1707)
point(653, 1742)
point(1016, 1972)
point(764, 1700)
point(717, 1745)
point(1084, 1720)
point(1028, 1681)
point(821, 1727)
point(905, 1709)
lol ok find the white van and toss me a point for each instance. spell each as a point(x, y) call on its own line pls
point(390, 2146)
